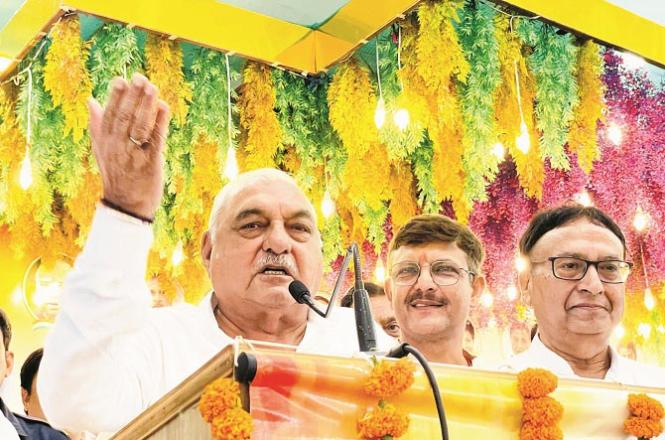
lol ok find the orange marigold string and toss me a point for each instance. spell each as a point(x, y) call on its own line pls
point(384, 421)
point(535, 432)
point(389, 378)
point(536, 382)
point(543, 411)
point(646, 416)
point(235, 424)
point(217, 397)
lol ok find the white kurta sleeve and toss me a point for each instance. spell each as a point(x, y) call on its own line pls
point(102, 359)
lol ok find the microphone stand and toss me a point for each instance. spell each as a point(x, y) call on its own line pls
point(363, 312)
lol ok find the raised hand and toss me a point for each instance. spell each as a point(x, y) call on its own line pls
point(128, 138)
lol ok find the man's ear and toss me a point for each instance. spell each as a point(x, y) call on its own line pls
point(478, 286)
point(206, 250)
point(9, 359)
point(523, 280)
point(25, 397)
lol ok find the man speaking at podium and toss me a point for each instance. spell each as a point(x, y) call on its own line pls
point(110, 355)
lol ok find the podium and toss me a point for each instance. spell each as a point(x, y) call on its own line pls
point(308, 396)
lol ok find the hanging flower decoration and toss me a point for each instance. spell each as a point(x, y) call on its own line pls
point(529, 165)
point(582, 138)
point(403, 205)
point(220, 406)
point(553, 63)
point(164, 69)
point(646, 415)
point(541, 414)
point(383, 422)
point(66, 77)
point(260, 131)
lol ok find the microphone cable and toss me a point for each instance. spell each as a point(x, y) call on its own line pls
point(405, 349)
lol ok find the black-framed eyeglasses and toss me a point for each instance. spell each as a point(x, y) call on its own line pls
point(443, 273)
point(574, 269)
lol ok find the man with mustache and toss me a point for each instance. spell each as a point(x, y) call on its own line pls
point(434, 275)
point(109, 355)
point(576, 281)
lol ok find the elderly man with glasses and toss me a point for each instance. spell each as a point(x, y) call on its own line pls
point(575, 282)
point(434, 274)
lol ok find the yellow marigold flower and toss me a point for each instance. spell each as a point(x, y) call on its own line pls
point(389, 378)
point(234, 424)
point(643, 428)
point(536, 382)
point(217, 397)
point(543, 411)
point(535, 432)
point(381, 422)
point(641, 405)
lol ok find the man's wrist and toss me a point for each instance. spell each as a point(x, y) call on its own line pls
point(122, 210)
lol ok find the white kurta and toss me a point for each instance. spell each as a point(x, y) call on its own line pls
point(622, 370)
point(110, 355)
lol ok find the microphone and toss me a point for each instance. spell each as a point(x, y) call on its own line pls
point(361, 308)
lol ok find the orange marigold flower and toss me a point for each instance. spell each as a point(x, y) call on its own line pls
point(537, 432)
point(536, 382)
point(641, 405)
point(381, 422)
point(217, 397)
point(234, 424)
point(643, 428)
point(390, 378)
point(543, 411)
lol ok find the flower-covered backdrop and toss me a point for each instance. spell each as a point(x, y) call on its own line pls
point(459, 108)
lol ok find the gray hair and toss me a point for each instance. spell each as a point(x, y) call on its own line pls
point(241, 182)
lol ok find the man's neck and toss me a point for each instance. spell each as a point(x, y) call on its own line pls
point(260, 325)
point(587, 358)
point(442, 350)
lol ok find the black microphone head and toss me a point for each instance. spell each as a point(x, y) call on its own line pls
point(299, 291)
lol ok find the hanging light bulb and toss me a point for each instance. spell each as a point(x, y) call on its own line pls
point(401, 118)
point(641, 220)
point(511, 293)
point(380, 113)
point(327, 205)
point(379, 271)
point(521, 264)
point(25, 177)
point(584, 199)
point(644, 330)
point(498, 150)
point(487, 299)
point(231, 166)
point(614, 134)
point(177, 256)
point(649, 300)
point(523, 141)
point(619, 331)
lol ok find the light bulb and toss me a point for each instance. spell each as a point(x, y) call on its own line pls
point(614, 134)
point(327, 205)
point(523, 141)
point(177, 256)
point(619, 331)
point(231, 166)
point(25, 177)
point(498, 150)
point(644, 330)
point(661, 328)
point(641, 220)
point(401, 118)
point(649, 300)
point(379, 271)
point(487, 299)
point(380, 113)
point(632, 62)
point(584, 199)
point(511, 293)
point(521, 264)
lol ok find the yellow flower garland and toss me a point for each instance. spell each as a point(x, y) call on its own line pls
point(66, 77)
point(164, 68)
point(403, 205)
point(261, 133)
point(582, 138)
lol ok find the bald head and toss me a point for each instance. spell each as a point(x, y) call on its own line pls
point(243, 181)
